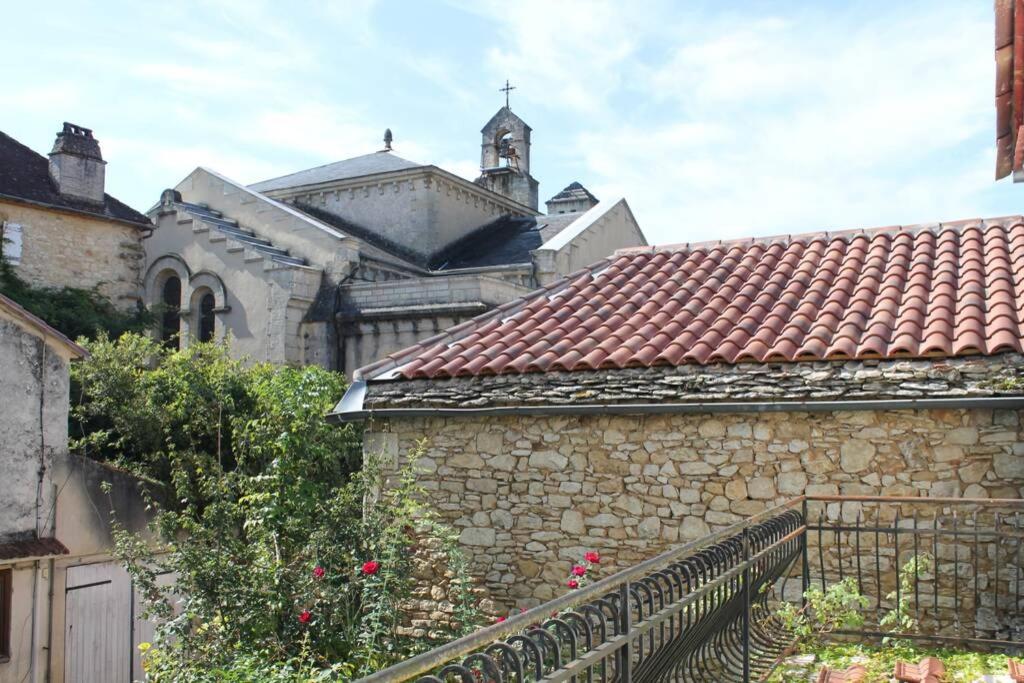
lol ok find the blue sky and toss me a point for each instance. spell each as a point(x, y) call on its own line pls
point(713, 119)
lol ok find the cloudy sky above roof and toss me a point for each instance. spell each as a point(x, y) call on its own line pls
point(761, 119)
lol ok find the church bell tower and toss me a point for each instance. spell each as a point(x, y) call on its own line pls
point(505, 157)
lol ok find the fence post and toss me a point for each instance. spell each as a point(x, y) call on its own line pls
point(746, 605)
point(805, 578)
point(625, 655)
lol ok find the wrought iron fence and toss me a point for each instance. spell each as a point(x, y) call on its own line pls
point(951, 565)
point(704, 611)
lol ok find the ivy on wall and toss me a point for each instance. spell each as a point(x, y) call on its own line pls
point(73, 311)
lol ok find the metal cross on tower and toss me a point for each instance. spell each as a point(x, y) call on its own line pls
point(507, 89)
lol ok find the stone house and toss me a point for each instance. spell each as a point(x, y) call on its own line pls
point(58, 226)
point(666, 392)
point(342, 264)
point(67, 610)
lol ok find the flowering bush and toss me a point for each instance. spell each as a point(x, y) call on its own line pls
point(286, 564)
point(580, 574)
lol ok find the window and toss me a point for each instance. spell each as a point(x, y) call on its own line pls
point(10, 242)
point(5, 615)
point(170, 297)
point(206, 318)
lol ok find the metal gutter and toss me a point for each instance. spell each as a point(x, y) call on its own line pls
point(351, 407)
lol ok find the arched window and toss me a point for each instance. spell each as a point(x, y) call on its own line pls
point(170, 297)
point(206, 325)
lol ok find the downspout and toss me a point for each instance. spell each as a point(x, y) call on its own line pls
point(33, 661)
point(52, 567)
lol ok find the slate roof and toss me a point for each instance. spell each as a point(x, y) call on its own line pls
point(231, 228)
point(505, 241)
point(367, 164)
point(944, 290)
point(574, 190)
point(25, 175)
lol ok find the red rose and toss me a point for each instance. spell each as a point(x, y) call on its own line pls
point(318, 572)
point(572, 583)
point(592, 557)
point(579, 570)
point(305, 616)
point(370, 568)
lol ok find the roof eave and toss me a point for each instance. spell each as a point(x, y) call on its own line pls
point(351, 407)
point(144, 225)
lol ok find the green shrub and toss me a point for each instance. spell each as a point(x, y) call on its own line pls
point(289, 561)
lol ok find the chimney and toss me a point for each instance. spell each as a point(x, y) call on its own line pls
point(76, 165)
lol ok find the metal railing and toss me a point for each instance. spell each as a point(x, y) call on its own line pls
point(704, 611)
point(970, 592)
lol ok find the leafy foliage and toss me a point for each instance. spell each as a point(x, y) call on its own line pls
point(899, 619)
point(838, 607)
point(282, 560)
point(75, 312)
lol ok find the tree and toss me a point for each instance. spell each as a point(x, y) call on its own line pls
point(288, 559)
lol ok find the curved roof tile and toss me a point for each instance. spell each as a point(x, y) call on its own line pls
point(899, 292)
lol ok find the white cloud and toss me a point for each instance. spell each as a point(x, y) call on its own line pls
point(760, 124)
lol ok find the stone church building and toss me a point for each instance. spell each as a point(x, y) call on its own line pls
point(343, 264)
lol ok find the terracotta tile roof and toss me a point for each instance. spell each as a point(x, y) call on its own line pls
point(920, 291)
point(33, 547)
point(929, 670)
point(1009, 54)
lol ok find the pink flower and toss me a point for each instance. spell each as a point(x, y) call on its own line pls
point(498, 620)
point(572, 583)
point(592, 557)
point(522, 610)
point(318, 572)
point(579, 570)
point(370, 568)
point(305, 616)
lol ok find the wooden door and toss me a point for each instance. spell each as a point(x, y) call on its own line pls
point(98, 617)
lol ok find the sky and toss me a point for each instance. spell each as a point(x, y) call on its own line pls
point(714, 120)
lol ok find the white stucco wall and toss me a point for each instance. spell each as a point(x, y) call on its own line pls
point(34, 384)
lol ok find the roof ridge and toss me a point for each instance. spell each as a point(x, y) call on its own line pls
point(509, 308)
point(332, 163)
point(829, 235)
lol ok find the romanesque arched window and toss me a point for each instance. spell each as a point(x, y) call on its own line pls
point(170, 297)
point(206, 323)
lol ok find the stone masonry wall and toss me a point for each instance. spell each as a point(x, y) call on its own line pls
point(66, 249)
point(530, 494)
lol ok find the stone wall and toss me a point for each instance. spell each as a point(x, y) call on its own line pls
point(818, 381)
point(67, 249)
point(530, 494)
